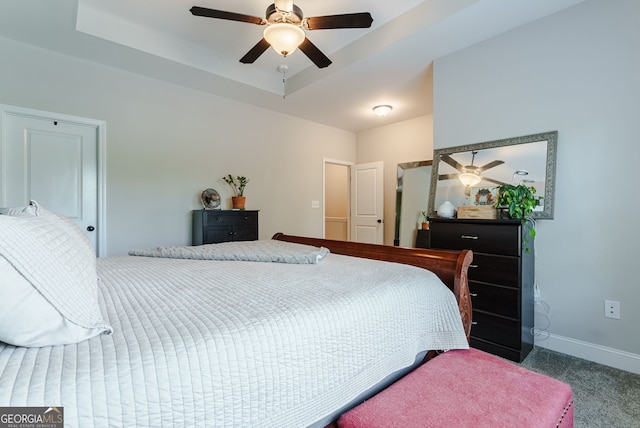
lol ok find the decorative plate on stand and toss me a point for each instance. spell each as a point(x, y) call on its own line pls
point(210, 199)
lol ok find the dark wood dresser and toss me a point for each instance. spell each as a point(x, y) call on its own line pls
point(501, 280)
point(214, 226)
point(422, 238)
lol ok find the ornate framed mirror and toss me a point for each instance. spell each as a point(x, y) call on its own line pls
point(529, 160)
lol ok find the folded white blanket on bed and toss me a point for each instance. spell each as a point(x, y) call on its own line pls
point(253, 251)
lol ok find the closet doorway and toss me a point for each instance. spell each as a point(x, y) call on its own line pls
point(337, 197)
point(353, 201)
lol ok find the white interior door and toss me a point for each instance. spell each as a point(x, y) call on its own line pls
point(53, 162)
point(367, 203)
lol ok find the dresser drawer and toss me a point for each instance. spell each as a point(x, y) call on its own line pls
point(213, 219)
point(503, 270)
point(496, 329)
point(498, 300)
point(245, 233)
point(215, 235)
point(483, 238)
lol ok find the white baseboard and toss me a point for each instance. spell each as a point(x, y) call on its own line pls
point(588, 351)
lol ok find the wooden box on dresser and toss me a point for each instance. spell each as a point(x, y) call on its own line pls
point(501, 280)
point(214, 226)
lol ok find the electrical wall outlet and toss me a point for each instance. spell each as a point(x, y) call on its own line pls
point(612, 309)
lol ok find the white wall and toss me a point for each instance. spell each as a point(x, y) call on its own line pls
point(575, 72)
point(166, 143)
point(407, 141)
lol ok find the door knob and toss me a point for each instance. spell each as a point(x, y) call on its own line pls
point(91, 228)
point(379, 221)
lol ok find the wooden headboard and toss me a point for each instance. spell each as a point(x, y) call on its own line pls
point(450, 266)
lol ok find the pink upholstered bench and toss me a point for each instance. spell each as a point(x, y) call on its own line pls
point(467, 388)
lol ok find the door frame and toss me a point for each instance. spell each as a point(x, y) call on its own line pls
point(349, 165)
point(101, 150)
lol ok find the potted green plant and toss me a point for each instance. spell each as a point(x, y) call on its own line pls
point(518, 202)
point(237, 184)
point(425, 223)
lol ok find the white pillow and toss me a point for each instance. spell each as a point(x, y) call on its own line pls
point(49, 283)
point(65, 223)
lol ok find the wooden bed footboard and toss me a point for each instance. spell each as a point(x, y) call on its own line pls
point(450, 266)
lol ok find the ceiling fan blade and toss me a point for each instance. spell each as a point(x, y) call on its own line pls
point(314, 54)
point(491, 180)
point(447, 176)
point(255, 52)
point(347, 20)
point(230, 16)
point(448, 159)
point(490, 165)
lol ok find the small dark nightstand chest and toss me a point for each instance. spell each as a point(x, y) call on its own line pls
point(423, 238)
point(501, 281)
point(214, 226)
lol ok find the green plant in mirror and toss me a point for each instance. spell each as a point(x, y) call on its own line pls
point(519, 201)
point(237, 183)
point(424, 215)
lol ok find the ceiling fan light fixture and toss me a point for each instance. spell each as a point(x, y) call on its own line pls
point(382, 110)
point(284, 38)
point(469, 178)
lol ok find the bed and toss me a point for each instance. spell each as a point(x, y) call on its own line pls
point(229, 342)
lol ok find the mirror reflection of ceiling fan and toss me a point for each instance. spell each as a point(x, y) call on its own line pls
point(285, 29)
point(469, 175)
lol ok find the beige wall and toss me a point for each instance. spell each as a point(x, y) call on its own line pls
point(337, 190)
point(336, 201)
point(166, 143)
point(407, 141)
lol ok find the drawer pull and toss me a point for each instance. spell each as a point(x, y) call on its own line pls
point(473, 266)
point(474, 322)
point(473, 294)
point(469, 237)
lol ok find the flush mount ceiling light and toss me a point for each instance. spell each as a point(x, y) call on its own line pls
point(521, 173)
point(382, 110)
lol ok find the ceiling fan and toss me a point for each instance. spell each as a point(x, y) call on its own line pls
point(285, 29)
point(469, 175)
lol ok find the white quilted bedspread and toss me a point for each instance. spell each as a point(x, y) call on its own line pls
point(235, 344)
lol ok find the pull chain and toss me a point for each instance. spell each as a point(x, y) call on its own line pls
point(283, 69)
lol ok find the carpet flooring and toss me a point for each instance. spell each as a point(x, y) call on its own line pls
point(603, 396)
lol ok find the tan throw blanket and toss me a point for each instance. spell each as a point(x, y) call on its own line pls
point(254, 251)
